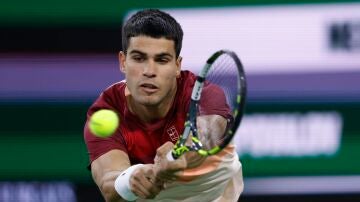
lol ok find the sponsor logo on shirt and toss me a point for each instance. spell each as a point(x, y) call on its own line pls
point(173, 134)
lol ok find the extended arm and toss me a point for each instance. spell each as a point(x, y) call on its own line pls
point(107, 168)
point(211, 129)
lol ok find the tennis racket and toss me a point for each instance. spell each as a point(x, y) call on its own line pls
point(222, 85)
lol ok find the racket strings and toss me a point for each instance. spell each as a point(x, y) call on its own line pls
point(222, 74)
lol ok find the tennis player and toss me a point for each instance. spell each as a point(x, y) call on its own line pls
point(152, 103)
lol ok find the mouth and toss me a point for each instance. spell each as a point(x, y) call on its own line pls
point(149, 88)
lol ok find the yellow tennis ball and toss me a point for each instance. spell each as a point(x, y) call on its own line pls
point(103, 123)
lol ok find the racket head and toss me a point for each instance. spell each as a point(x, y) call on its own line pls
point(217, 106)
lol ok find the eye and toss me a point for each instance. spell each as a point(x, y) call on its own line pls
point(138, 58)
point(162, 60)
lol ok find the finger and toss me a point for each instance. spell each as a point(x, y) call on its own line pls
point(139, 187)
point(165, 170)
point(141, 179)
point(148, 189)
point(136, 189)
point(160, 183)
point(156, 186)
point(164, 149)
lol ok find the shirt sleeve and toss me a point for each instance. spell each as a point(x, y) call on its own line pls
point(98, 146)
point(213, 101)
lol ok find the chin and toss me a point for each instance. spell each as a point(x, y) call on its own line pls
point(149, 101)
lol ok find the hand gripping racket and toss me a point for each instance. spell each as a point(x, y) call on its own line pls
point(221, 85)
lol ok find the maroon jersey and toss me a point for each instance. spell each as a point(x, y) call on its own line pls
point(138, 139)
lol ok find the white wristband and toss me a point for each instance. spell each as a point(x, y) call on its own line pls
point(122, 183)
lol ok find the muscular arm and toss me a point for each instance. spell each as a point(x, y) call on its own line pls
point(109, 166)
point(106, 169)
point(211, 129)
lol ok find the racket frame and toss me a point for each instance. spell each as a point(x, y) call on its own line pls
point(190, 125)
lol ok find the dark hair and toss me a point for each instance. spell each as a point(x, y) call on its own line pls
point(153, 23)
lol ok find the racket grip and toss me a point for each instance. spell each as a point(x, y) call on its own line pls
point(169, 156)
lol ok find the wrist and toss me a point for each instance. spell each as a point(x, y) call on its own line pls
point(122, 183)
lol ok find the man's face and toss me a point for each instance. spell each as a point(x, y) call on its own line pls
point(150, 68)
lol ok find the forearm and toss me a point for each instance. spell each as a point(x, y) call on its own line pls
point(117, 179)
point(135, 181)
point(106, 186)
point(105, 171)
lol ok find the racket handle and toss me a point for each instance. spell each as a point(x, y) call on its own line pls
point(169, 156)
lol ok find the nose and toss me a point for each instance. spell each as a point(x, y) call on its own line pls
point(150, 69)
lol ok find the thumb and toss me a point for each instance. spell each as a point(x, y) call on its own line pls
point(164, 149)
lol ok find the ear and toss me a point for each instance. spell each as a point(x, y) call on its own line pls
point(122, 59)
point(178, 66)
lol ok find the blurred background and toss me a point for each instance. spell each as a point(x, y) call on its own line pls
point(299, 140)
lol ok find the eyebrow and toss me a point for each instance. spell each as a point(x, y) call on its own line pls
point(164, 54)
point(137, 52)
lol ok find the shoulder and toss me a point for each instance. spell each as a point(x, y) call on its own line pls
point(111, 98)
point(187, 75)
point(185, 83)
point(187, 79)
point(116, 90)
